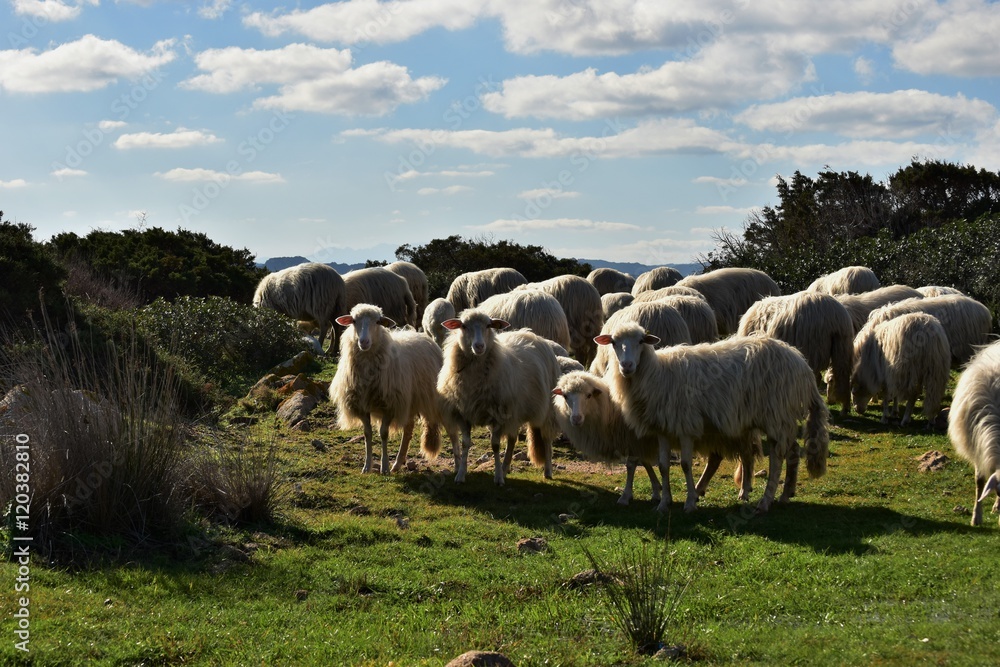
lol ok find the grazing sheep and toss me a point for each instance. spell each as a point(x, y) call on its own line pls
point(966, 321)
point(608, 280)
point(939, 290)
point(437, 311)
point(499, 380)
point(584, 311)
point(859, 306)
point(735, 389)
point(612, 302)
point(974, 424)
point(568, 365)
point(848, 280)
point(596, 427)
point(897, 359)
point(659, 319)
point(730, 292)
point(417, 282)
point(530, 309)
point(385, 289)
point(310, 291)
point(661, 276)
point(673, 290)
point(471, 289)
point(698, 315)
point(818, 326)
point(387, 374)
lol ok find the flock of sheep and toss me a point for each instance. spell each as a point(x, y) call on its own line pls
point(661, 365)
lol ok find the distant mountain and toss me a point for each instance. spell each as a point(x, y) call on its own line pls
point(634, 268)
point(279, 263)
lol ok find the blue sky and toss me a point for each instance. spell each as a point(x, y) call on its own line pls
point(625, 130)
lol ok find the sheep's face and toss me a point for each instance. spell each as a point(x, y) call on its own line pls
point(368, 323)
point(577, 399)
point(861, 399)
point(475, 330)
point(627, 344)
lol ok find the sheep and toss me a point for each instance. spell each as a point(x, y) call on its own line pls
point(848, 280)
point(734, 388)
point(818, 326)
point(584, 311)
point(499, 380)
point(596, 427)
point(417, 282)
point(608, 280)
point(383, 288)
point(698, 315)
point(470, 289)
point(673, 290)
point(974, 424)
point(568, 365)
point(530, 309)
point(437, 311)
point(966, 321)
point(310, 291)
point(389, 375)
point(939, 290)
point(661, 320)
point(899, 357)
point(661, 276)
point(859, 306)
point(730, 292)
point(612, 302)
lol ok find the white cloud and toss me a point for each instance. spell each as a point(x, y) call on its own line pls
point(214, 9)
point(551, 193)
point(655, 251)
point(66, 172)
point(899, 114)
point(449, 173)
point(51, 10)
point(715, 180)
point(312, 79)
point(962, 42)
point(110, 125)
point(450, 190)
point(865, 69)
point(725, 210)
point(14, 184)
point(854, 154)
point(518, 225)
point(179, 138)
point(89, 63)
point(183, 175)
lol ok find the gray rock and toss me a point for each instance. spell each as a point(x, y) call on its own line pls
point(481, 659)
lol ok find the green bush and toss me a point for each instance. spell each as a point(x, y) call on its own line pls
point(228, 342)
point(28, 273)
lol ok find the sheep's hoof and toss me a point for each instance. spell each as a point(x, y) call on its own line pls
point(905, 421)
point(996, 505)
point(498, 479)
point(691, 505)
point(884, 420)
point(460, 478)
point(743, 497)
point(367, 467)
point(396, 466)
point(664, 505)
point(763, 506)
point(624, 500)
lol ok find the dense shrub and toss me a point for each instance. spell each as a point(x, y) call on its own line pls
point(28, 275)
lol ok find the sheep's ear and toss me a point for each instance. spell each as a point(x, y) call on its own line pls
point(557, 392)
point(345, 320)
point(452, 324)
point(387, 323)
point(992, 484)
point(597, 391)
point(499, 325)
point(650, 339)
point(603, 339)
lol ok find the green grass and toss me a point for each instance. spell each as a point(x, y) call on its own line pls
point(867, 565)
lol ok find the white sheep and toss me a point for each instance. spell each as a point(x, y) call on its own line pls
point(659, 319)
point(389, 375)
point(734, 388)
point(437, 311)
point(974, 424)
point(848, 280)
point(818, 326)
point(859, 306)
point(385, 289)
point(584, 311)
point(595, 426)
point(939, 290)
point(417, 282)
point(698, 315)
point(730, 292)
point(673, 290)
point(530, 309)
point(966, 321)
point(470, 289)
point(608, 280)
point(898, 359)
point(612, 302)
point(661, 276)
point(499, 380)
point(310, 291)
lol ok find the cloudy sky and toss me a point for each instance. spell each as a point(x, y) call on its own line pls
point(618, 129)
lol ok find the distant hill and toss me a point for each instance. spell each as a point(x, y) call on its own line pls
point(634, 268)
point(279, 263)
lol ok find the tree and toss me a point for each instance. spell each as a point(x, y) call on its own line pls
point(29, 277)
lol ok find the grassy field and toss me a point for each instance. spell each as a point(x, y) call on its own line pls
point(874, 564)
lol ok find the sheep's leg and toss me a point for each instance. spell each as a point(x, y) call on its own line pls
point(498, 471)
point(886, 407)
point(791, 474)
point(456, 447)
point(404, 446)
point(909, 411)
point(687, 461)
point(714, 460)
point(508, 455)
point(626, 496)
point(664, 462)
point(977, 507)
point(383, 433)
point(366, 423)
point(654, 482)
point(746, 479)
point(548, 452)
point(462, 460)
point(776, 459)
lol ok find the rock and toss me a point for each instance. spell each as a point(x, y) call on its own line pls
point(302, 425)
point(568, 516)
point(300, 382)
point(301, 594)
point(481, 659)
point(670, 652)
point(295, 365)
point(229, 552)
point(318, 445)
point(960, 509)
point(932, 461)
point(521, 455)
point(296, 407)
point(760, 473)
point(485, 458)
point(586, 578)
point(411, 465)
point(532, 545)
point(359, 510)
point(269, 381)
